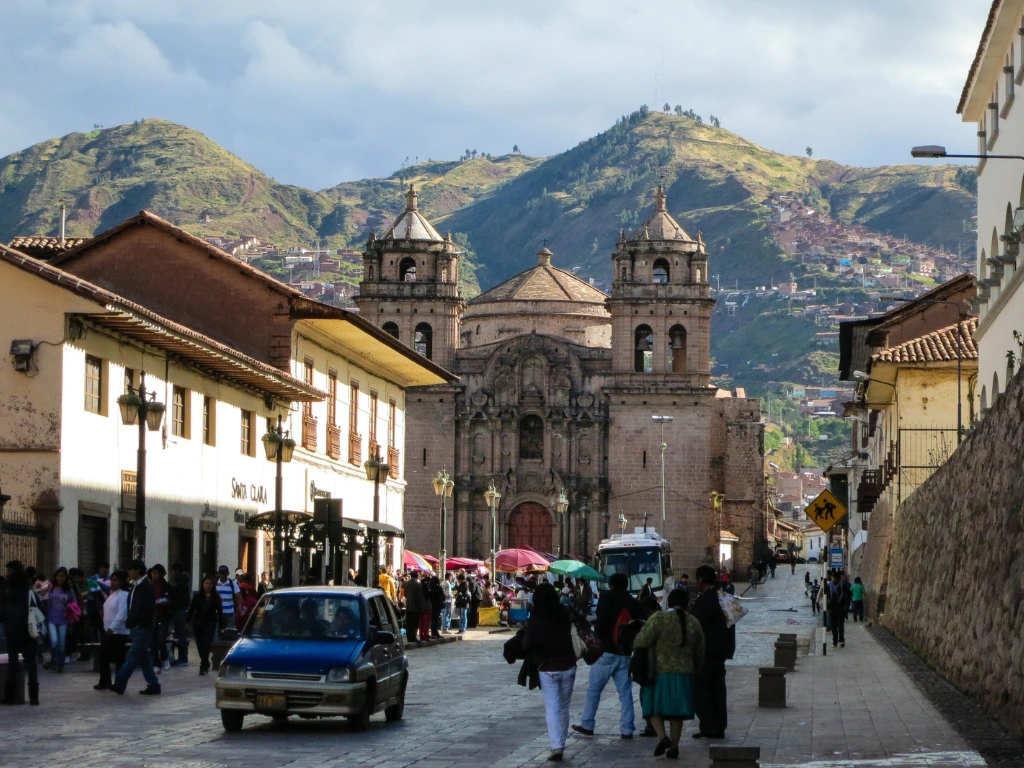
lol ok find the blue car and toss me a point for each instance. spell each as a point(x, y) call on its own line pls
point(316, 652)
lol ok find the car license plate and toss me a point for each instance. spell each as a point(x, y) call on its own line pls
point(270, 701)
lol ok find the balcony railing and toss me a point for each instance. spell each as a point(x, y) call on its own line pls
point(334, 442)
point(308, 432)
point(355, 449)
point(392, 463)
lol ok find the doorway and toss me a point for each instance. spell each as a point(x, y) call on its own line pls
point(530, 525)
point(207, 554)
point(179, 548)
point(247, 555)
point(93, 544)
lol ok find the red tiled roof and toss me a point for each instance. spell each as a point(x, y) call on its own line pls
point(44, 247)
point(935, 347)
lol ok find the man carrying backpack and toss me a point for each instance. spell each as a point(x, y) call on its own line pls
point(615, 608)
point(709, 695)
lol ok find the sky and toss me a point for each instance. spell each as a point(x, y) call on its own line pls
point(316, 92)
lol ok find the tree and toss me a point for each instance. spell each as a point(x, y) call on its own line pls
point(810, 152)
point(715, 121)
point(679, 110)
point(515, 149)
point(668, 107)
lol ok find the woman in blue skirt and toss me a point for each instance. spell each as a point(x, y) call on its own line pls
point(678, 644)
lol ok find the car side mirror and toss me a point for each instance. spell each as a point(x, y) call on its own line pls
point(383, 638)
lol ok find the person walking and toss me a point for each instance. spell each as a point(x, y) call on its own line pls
point(812, 592)
point(548, 639)
point(615, 607)
point(181, 599)
point(710, 703)
point(416, 604)
point(230, 597)
point(475, 598)
point(678, 643)
point(265, 584)
point(462, 599)
point(161, 617)
point(140, 618)
point(837, 596)
point(857, 597)
point(772, 563)
point(114, 640)
point(792, 564)
point(16, 599)
point(386, 583)
point(447, 587)
point(807, 581)
point(436, 606)
point(58, 608)
point(204, 616)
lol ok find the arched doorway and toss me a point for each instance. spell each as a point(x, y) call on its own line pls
point(530, 525)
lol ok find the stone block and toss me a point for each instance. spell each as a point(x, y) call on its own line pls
point(785, 654)
point(771, 688)
point(734, 757)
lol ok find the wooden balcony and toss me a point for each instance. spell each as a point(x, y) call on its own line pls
point(355, 449)
point(308, 432)
point(392, 463)
point(334, 442)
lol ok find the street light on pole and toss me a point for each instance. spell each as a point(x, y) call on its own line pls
point(663, 420)
point(622, 522)
point(492, 497)
point(148, 413)
point(443, 487)
point(561, 504)
point(279, 449)
point(936, 152)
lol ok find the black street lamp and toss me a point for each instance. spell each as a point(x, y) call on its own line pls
point(377, 472)
point(936, 152)
point(279, 448)
point(561, 505)
point(147, 413)
point(492, 497)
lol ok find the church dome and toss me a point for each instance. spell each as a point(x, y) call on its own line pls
point(660, 226)
point(412, 225)
point(543, 299)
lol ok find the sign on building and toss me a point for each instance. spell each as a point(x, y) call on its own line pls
point(825, 510)
point(835, 558)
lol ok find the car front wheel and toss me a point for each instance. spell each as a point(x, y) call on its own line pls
point(395, 711)
point(232, 720)
point(361, 721)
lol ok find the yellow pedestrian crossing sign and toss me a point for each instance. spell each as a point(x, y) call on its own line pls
point(825, 510)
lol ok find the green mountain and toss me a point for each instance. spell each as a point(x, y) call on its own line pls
point(502, 209)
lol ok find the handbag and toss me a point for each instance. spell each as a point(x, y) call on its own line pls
point(642, 666)
point(36, 620)
point(731, 608)
point(579, 645)
point(585, 632)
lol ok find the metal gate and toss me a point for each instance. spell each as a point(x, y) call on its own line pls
point(20, 538)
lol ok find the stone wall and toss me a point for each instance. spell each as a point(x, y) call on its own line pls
point(956, 575)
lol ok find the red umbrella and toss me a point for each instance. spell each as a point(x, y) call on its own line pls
point(511, 560)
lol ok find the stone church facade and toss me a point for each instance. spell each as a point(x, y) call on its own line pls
point(558, 382)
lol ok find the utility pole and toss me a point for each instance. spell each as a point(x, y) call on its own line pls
point(662, 420)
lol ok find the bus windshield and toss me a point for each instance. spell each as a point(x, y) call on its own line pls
point(638, 564)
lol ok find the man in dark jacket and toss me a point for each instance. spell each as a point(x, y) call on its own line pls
point(141, 610)
point(709, 695)
point(14, 610)
point(181, 599)
point(615, 607)
point(416, 602)
point(476, 596)
point(837, 594)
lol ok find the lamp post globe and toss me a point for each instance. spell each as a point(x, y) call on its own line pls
point(492, 497)
point(444, 486)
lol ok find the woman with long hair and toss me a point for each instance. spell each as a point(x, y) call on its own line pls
point(16, 602)
point(62, 594)
point(115, 637)
point(548, 640)
point(205, 616)
point(678, 644)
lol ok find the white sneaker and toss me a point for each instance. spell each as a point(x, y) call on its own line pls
point(167, 666)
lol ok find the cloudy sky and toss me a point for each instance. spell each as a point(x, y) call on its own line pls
point(315, 92)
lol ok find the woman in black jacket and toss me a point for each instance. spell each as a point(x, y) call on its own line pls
point(205, 615)
point(436, 595)
point(14, 609)
point(548, 639)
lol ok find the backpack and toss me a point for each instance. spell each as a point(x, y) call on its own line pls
point(627, 634)
point(585, 633)
point(623, 619)
point(36, 620)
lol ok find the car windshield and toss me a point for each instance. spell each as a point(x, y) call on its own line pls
point(285, 616)
point(638, 564)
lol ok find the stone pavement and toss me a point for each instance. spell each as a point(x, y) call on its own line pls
point(853, 708)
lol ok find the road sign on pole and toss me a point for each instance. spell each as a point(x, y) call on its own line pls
point(825, 510)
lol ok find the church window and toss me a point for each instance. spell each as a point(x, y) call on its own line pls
point(531, 438)
point(677, 348)
point(696, 275)
point(661, 271)
point(444, 274)
point(625, 272)
point(424, 340)
point(391, 329)
point(369, 272)
point(407, 270)
point(643, 349)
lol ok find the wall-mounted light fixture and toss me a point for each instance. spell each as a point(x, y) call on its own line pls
point(21, 351)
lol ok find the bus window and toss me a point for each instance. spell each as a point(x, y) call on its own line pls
point(638, 564)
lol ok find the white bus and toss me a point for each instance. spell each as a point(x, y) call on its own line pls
point(641, 556)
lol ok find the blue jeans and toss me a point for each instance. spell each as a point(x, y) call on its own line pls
point(181, 634)
point(446, 617)
point(463, 618)
point(557, 690)
point(58, 644)
point(138, 653)
point(610, 667)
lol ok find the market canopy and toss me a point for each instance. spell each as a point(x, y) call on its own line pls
point(513, 560)
point(414, 562)
point(576, 570)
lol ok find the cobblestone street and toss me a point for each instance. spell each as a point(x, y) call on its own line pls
point(854, 708)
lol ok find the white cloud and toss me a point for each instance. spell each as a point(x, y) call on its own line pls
point(317, 92)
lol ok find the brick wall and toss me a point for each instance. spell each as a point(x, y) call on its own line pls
point(955, 587)
point(429, 428)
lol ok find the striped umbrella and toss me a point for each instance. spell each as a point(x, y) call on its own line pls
point(413, 562)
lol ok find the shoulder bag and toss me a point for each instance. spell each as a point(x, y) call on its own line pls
point(36, 620)
point(731, 608)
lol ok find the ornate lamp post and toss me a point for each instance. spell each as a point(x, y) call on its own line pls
point(377, 472)
point(561, 505)
point(492, 497)
point(622, 522)
point(148, 413)
point(663, 420)
point(443, 487)
point(279, 449)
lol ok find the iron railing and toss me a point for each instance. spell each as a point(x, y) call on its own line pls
point(919, 452)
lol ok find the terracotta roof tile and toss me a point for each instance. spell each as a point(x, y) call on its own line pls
point(935, 347)
point(543, 283)
point(44, 247)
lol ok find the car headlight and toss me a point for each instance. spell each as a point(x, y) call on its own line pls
point(340, 675)
point(229, 671)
